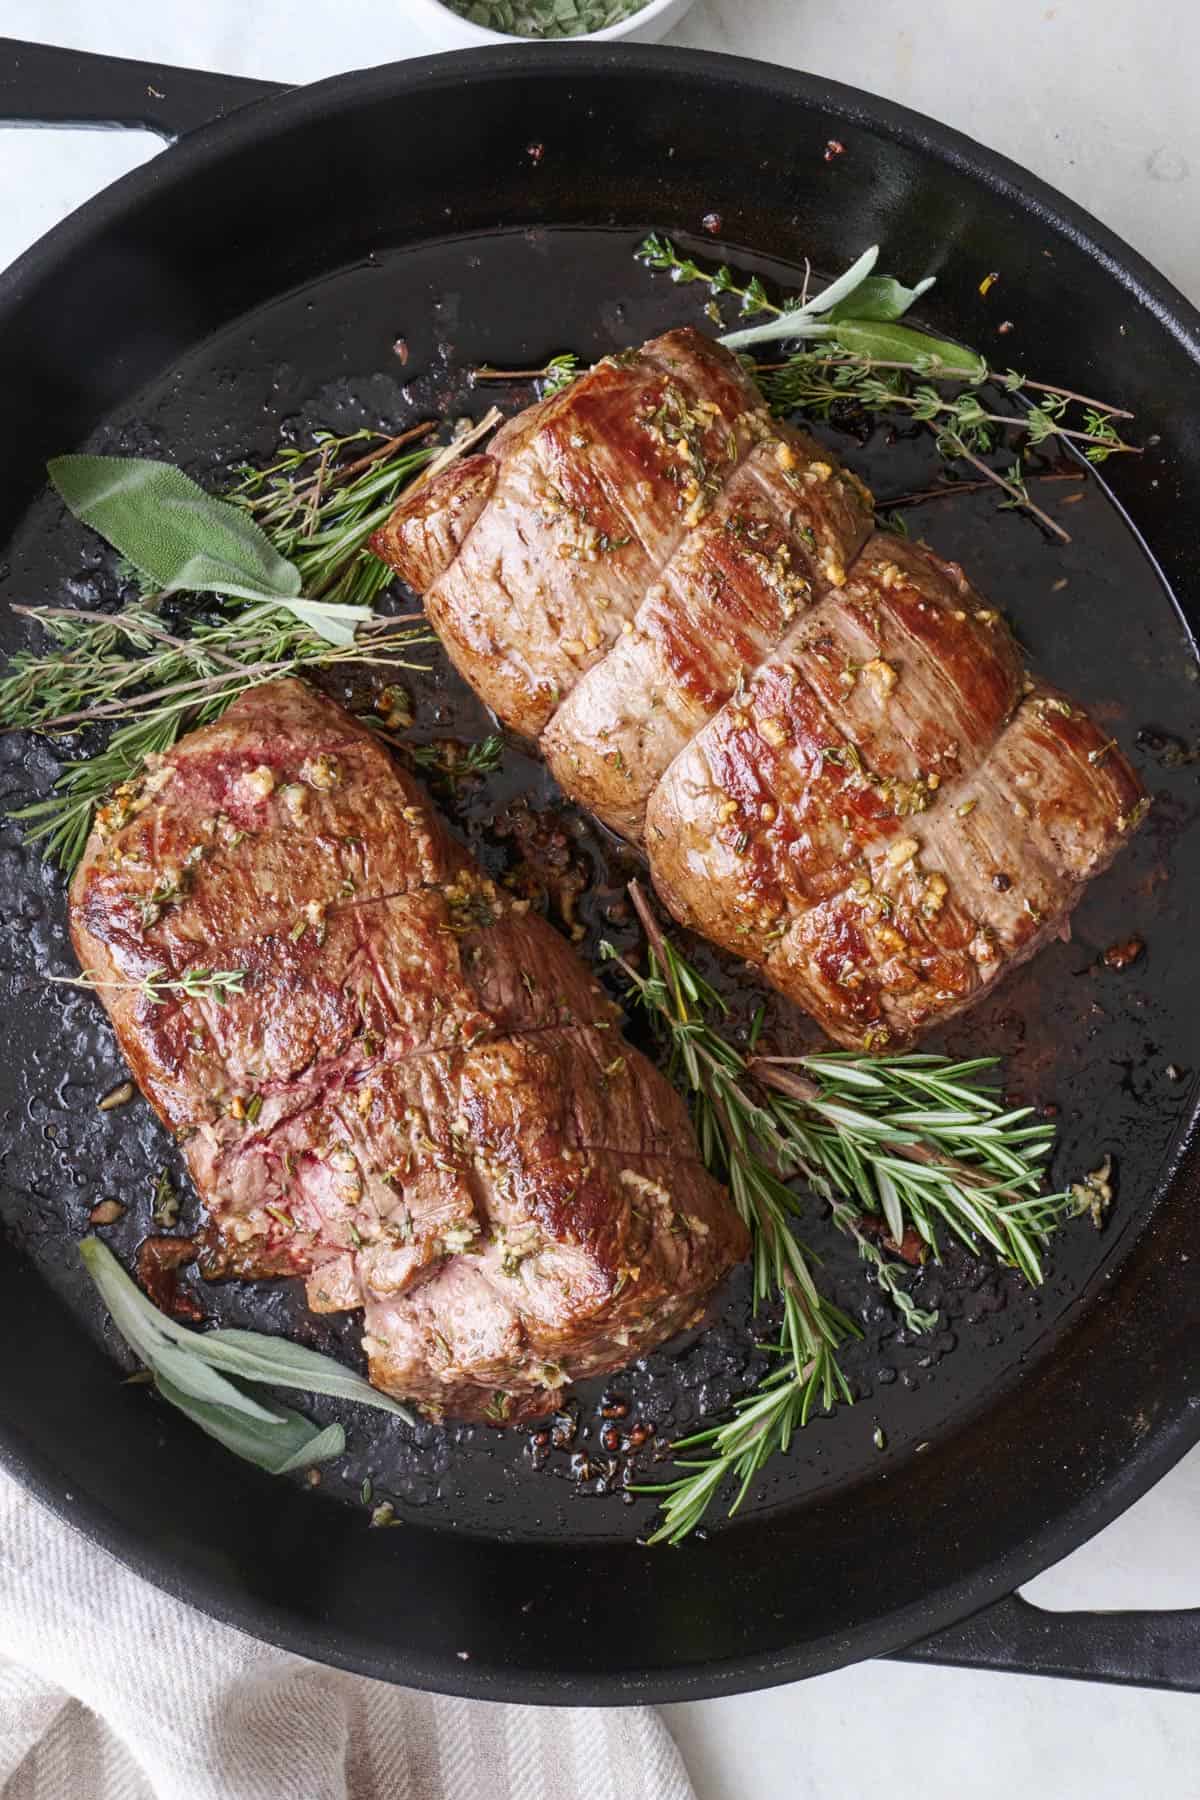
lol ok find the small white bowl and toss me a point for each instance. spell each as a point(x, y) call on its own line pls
point(445, 30)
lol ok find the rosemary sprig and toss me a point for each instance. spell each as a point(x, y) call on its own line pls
point(916, 1140)
point(763, 1424)
point(193, 984)
point(732, 1126)
point(125, 666)
point(319, 510)
point(62, 822)
point(111, 664)
point(922, 1141)
point(455, 761)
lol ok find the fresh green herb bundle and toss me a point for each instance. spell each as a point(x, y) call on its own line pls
point(546, 18)
point(914, 1143)
point(287, 556)
point(318, 506)
point(863, 357)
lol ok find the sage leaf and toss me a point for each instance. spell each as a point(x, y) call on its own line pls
point(882, 342)
point(804, 321)
point(186, 1366)
point(165, 524)
point(322, 1446)
point(255, 1356)
point(845, 285)
point(161, 1344)
point(791, 324)
point(289, 1442)
point(185, 540)
point(336, 624)
point(879, 297)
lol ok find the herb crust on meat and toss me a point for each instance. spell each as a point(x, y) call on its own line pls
point(419, 1100)
point(821, 735)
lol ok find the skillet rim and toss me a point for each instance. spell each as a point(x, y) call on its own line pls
point(1176, 1429)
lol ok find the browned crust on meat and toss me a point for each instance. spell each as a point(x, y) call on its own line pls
point(418, 1074)
point(885, 847)
point(425, 535)
point(783, 526)
point(592, 491)
point(777, 705)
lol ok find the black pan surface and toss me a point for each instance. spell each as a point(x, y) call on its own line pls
point(253, 284)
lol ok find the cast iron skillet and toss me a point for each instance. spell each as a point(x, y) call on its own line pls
point(260, 270)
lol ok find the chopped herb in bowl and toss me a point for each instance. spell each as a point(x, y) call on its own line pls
point(546, 18)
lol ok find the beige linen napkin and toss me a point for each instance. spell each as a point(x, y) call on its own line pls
point(110, 1690)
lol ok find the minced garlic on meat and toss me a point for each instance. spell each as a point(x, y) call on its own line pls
point(901, 851)
point(295, 801)
point(881, 675)
point(258, 783)
point(320, 771)
point(644, 1187)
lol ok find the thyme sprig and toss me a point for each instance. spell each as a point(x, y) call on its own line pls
point(818, 382)
point(559, 372)
point(953, 490)
point(659, 253)
point(917, 1141)
point(866, 359)
point(864, 302)
point(456, 761)
point(193, 984)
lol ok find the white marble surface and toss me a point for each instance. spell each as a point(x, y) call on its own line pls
point(1097, 96)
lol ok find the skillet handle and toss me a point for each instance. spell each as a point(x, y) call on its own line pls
point(1135, 1649)
point(42, 84)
